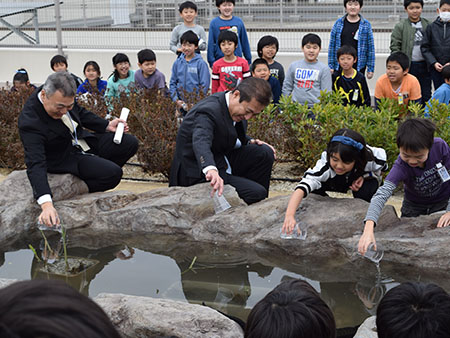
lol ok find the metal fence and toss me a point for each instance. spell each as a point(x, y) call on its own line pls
point(134, 24)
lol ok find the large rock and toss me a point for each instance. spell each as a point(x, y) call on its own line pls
point(137, 317)
point(335, 225)
point(18, 209)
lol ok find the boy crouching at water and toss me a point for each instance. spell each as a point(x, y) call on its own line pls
point(424, 168)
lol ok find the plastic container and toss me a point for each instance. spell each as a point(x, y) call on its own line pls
point(300, 231)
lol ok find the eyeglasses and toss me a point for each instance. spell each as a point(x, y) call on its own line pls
point(21, 71)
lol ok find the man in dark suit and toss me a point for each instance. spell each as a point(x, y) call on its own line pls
point(51, 127)
point(212, 144)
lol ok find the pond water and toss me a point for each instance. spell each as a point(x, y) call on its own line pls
point(231, 279)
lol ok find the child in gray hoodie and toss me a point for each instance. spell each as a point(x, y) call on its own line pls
point(306, 78)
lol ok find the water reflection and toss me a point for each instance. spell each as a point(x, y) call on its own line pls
point(231, 279)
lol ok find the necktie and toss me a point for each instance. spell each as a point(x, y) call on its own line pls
point(72, 125)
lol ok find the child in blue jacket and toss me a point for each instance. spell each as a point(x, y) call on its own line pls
point(227, 21)
point(189, 71)
point(352, 29)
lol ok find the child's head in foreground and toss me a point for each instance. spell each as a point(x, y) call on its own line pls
point(51, 309)
point(292, 310)
point(268, 47)
point(260, 69)
point(397, 66)
point(228, 42)
point(311, 45)
point(347, 151)
point(21, 79)
point(59, 63)
point(147, 62)
point(415, 137)
point(414, 310)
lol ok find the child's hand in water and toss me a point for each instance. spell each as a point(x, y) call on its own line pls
point(288, 225)
point(357, 184)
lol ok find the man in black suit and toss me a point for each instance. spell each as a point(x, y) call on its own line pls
point(212, 144)
point(51, 127)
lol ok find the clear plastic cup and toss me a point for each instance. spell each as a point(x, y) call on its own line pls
point(220, 203)
point(57, 228)
point(300, 231)
point(374, 255)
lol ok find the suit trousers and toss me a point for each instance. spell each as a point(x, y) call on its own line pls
point(251, 167)
point(102, 169)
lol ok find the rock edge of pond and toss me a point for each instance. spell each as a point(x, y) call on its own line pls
point(187, 213)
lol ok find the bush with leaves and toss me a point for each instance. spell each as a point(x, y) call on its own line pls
point(153, 120)
point(11, 149)
point(303, 139)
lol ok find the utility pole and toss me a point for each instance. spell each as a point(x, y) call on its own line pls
point(58, 27)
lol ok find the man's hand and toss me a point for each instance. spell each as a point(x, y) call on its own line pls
point(112, 126)
point(357, 184)
point(216, 181)
point(444, 221)
point(49, 216)
point(369, 75)
point(260, 143)
point(180, 104)
point(438, 67)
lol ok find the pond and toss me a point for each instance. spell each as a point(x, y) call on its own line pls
point(230, 279)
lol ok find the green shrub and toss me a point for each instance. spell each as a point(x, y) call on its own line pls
point(291, 130)
point(287, 127)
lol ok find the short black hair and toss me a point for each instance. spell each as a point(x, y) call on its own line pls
point(58, 59)
point(187, 4)
point(146, 55)
point(401, 58)
point(360, 2)
point(219, 2)
point(414, 310)
point(406, 3)
point(313, 39)
point(267, 40)
point(21, 76)
point(444, 2)
point(189, 37)
point(254, 88)
point(416, 134)
point(258, 61)
point(52, 309)
point(446, 72)
point(347, 50)
point(227, 35)
point(292, 310)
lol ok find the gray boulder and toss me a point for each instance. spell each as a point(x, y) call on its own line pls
point(139, 317)
point(335, 225)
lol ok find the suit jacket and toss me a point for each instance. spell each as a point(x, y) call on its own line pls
point(47, 142)
point(205, 137)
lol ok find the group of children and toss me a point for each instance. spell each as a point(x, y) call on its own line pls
point(420, 55)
